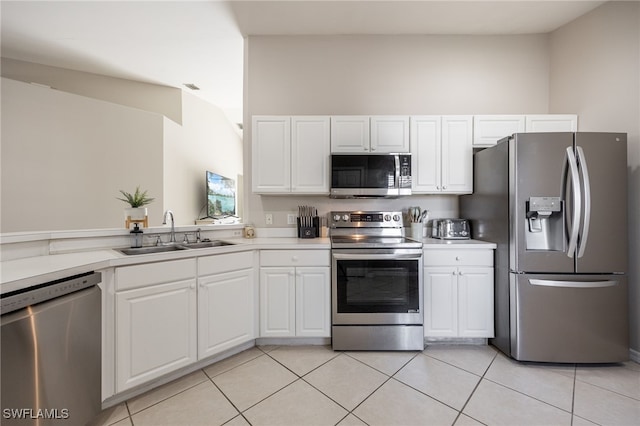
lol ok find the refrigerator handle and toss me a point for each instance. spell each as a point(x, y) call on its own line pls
point(577, 199)
point(584, 234)
point(573, 284)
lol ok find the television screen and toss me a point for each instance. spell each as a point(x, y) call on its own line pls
point(221, 196)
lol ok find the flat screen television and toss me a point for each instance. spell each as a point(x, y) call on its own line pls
point(221, 196)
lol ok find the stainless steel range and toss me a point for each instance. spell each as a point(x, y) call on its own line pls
point(376, 283)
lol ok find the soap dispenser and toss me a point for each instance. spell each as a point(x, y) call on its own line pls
point(136, 236)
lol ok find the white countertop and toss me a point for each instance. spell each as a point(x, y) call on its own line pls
point(23, 273)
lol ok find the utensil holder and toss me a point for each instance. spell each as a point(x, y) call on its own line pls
point(417, 229)
point(309, 231)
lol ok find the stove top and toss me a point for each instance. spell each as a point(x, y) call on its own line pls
point(371, 229)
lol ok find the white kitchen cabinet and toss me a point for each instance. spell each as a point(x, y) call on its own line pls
point(290, 154)
point(226, 308)
point(458, 292)
point(156, 320)
point(295, 293)
point(369, 134)
point(489, 129)
point(551, 123)
point(442, 154)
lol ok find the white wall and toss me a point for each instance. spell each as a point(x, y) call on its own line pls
point(64, 158)
point(595, 72)
point(388, 75)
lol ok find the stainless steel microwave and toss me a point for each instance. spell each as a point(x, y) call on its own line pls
point(370, 175)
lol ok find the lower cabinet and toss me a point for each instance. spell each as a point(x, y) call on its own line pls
point(156, 320)
point(225, 302)
point(295, 300)
point(458, 298)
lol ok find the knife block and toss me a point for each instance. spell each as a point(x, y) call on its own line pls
point(309, 231)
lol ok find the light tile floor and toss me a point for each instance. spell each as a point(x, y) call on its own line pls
point(442, 385)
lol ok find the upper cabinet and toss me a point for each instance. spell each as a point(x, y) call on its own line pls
point(375, 134)
point(552, 123)
point(489, 129)
point(442, 154)
point(290, 154)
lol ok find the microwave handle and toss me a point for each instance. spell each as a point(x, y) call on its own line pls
point(397, 160)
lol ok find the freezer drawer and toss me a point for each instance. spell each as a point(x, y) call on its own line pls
point(569, 318)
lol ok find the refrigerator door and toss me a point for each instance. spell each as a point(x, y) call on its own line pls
point(538, 213)
point(569, 318)
point(602, 161)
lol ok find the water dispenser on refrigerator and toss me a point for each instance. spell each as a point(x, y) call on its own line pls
point(545, 224)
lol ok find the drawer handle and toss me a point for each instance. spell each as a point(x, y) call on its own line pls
point(457, 257)
point(294, 258)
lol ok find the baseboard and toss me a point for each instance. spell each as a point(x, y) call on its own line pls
point(634, 355)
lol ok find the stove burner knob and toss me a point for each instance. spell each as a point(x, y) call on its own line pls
point(336, 217)
point(345, 217)
point(387, 217)
point(396, 218)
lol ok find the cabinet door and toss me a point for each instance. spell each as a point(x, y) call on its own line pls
point(310, 150)
point(155, 331)
point(271, 154)
point(426, 153)
point(277, 302)
point(389, 134)
point(552, 123)
point(440, 302)
point(489, 129)
point(313, 302)
point(350, 133)
point(225, 311)
point(475, 302)
point(457, 154)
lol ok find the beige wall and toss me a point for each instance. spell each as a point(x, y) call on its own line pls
point(64, 158)
point(207, 140)
point(388, 75)
point(148, 97)
point(595, 72)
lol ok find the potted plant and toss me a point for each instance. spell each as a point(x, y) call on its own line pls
point(137, 201)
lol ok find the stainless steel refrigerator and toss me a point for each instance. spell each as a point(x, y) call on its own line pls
point(556, 205)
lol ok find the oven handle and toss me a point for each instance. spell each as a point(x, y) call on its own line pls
point(372, 256)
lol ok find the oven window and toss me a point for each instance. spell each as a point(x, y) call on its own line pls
point(377, 286)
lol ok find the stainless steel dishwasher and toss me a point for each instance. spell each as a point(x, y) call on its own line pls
point(51, 352)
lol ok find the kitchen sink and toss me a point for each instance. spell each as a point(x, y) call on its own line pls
point(206, 244)
point(173, 247)
point(150, 250)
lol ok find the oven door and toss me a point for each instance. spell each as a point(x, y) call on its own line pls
point(376, 286)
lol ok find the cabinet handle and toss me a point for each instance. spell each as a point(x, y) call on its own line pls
point(454, 272)
point(460, 273)
point(457, 257)
point(294, 258)
point(438, 187)
point(444, 187)
point(192, 286)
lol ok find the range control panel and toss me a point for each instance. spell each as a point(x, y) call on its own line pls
point(358, 219)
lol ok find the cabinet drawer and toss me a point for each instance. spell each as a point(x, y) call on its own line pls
point(295, 258)
point(224, 263)
point(468, 257)
point(128, 277)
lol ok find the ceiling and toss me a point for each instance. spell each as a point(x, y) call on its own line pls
point(201, 42)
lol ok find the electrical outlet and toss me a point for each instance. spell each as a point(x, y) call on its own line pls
point(268, 218)
point(291, 219)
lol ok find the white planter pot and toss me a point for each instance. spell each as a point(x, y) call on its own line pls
point(135, 213)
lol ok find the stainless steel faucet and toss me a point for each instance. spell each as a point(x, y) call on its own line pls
point(172, 239)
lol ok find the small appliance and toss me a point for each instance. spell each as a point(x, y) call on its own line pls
point(450, 229)
point(370, 175)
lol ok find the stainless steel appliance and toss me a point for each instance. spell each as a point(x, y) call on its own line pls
point(450, 229)
point(376, 283)
point(370, 175)
point(51, 353)
point(556, 205)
